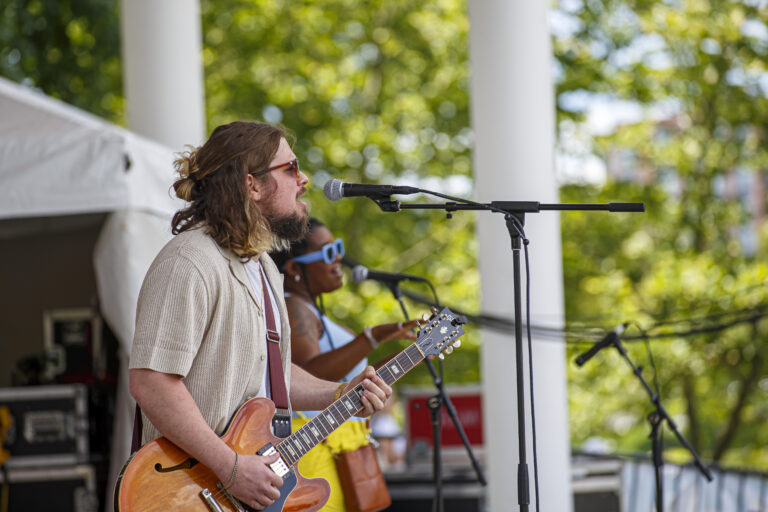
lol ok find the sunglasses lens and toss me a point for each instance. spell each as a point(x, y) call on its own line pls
point(329, 253)
point(339, 245)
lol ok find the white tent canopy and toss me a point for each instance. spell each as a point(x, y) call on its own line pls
point(56, 160)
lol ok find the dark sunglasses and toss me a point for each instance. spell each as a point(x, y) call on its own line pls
point(327, 253)
point(292, 165)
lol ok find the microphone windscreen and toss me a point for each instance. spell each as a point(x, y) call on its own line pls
point(359, 274)
point(332, 189)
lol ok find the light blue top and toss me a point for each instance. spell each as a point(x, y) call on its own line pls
point(339, 337)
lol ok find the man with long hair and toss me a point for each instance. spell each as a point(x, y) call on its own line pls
point(200, 345)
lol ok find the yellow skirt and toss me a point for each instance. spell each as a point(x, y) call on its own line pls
point(318, 462)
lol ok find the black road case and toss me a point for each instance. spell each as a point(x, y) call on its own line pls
point(49, 425)
point(63, 489)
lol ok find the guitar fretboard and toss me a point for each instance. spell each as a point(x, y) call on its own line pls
point(295, 446)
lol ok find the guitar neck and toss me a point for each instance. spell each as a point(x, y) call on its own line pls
point(295, 446)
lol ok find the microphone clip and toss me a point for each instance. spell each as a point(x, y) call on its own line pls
point(386, 203)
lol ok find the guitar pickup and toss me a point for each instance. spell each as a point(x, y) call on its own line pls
point(279, 466)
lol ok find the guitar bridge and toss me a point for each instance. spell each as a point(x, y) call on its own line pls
point(279, 466)
point(234, 501)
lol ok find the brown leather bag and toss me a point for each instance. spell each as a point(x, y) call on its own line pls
point(362, 481)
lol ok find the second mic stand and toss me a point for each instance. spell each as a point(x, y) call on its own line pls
point(435, 404)
point(656, 418)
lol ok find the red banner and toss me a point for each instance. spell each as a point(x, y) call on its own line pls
point(469, 409)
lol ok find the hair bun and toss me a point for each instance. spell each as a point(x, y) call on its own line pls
point(186, 166)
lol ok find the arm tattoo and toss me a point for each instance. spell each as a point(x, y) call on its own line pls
point(306, 330)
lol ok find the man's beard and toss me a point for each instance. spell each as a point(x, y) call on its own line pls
point(291, 228)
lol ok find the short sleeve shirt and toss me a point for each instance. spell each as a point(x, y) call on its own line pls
point(199, 317)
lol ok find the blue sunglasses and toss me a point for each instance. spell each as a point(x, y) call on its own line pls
point(327, 253)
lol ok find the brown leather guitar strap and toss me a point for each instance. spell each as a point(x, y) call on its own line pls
point(281, 422)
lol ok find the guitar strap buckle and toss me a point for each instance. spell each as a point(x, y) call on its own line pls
point(273, 336)
point(281, 422)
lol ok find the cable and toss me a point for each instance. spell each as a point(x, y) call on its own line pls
point(650, 358)
point(588, 334)
point(713, 316)
point(518, 225)
point(702, 330)
point(530, 367)
point(578, 332)
point(434, 294)
point(656, 386)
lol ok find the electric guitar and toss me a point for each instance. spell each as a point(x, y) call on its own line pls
point(161, 476)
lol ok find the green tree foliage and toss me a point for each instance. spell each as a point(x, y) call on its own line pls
point(70, 49)
point(374, 92)
point(699, 64)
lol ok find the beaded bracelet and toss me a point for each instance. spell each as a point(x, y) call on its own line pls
point(234, 473)
point(339, 389)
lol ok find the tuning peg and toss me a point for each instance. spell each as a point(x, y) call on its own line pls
point(441, 356)
point(457, 343)
point(425, 318)
point(449, 350)
point(434, 310)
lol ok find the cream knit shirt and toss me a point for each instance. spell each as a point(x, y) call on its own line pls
point(198, 317)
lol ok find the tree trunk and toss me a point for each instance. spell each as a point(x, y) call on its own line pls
point(693, 422)
point(746, 387)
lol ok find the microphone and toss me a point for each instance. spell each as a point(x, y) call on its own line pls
point(336, 189)
point(361, 273)
point(607, 341)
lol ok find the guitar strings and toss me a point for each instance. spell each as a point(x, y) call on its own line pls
point(221, 494)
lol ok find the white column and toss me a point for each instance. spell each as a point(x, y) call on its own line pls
point(512, 104)
point(163, 83)
point(163, 70)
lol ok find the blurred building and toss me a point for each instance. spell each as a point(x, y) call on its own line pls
point(742, 184)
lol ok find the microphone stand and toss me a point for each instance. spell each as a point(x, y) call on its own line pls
point(435, 404)
point(514, 215)
point(657, 416)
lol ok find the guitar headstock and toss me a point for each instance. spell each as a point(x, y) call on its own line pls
point(440, 333)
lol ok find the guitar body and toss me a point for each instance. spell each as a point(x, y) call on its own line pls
point(162, 477)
